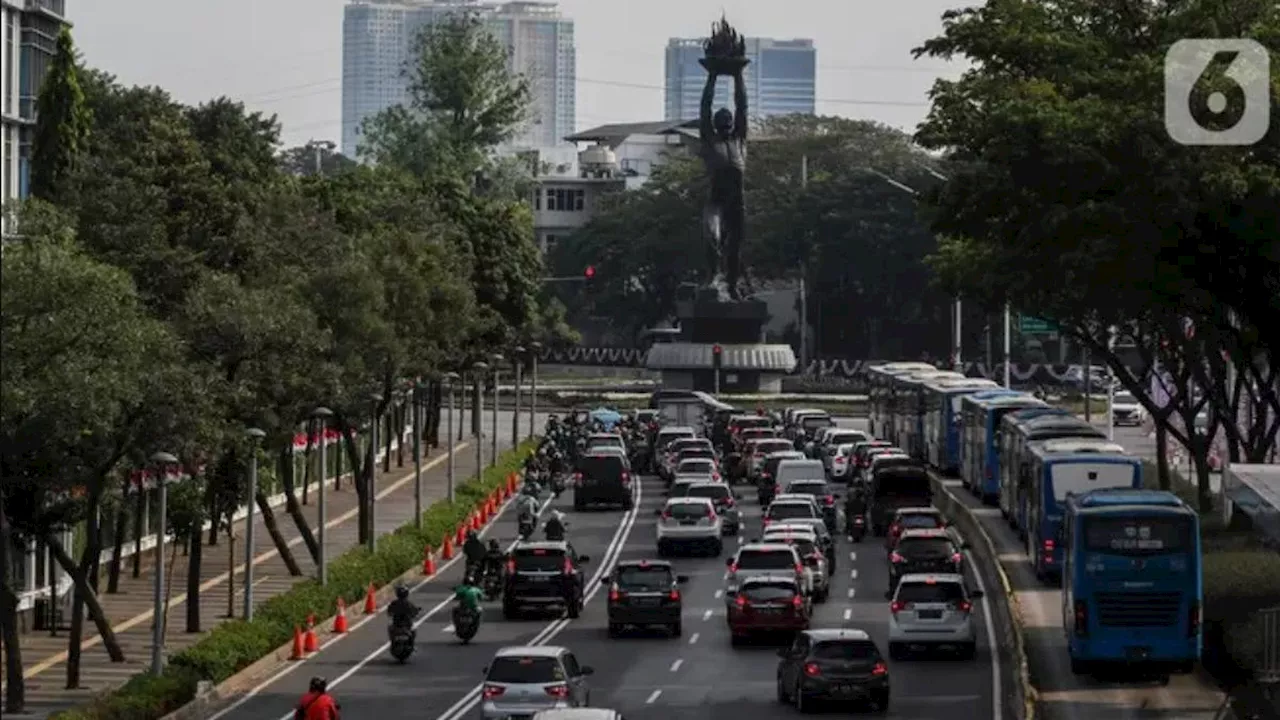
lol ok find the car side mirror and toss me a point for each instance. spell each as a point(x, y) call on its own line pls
point(728, 562)
point(782, 653)
point(586, 670)
point(584, 559)
point(682, 579)
point(976, 593)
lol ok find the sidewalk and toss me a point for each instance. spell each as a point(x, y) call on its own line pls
point(130, 610)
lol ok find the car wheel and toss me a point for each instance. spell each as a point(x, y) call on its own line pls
point(615, 629)
point(822, 596)
point(880, 702)
point(676, 629)
point(782, 692)
point(735, 640)
point(1078, 667)
point(897, 651)
point(574, 608)
point(798, 698)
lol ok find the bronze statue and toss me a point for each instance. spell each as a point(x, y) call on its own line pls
point(724, 152)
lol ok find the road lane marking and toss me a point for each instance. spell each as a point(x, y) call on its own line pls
point(853, 574)
point(853, 556)
point(693, 638)
point(447, 628)
point(848, 613)
point(997, 690)
point(706, 615)
point(719, 594)
point(653, 697)
point(741, 539)
point(851, 592)
point(676, 665)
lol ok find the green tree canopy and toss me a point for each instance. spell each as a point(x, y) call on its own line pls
point(62, 123)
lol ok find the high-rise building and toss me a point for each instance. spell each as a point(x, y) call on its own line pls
point(378, 36)
point(780, 79)
point(31, 30)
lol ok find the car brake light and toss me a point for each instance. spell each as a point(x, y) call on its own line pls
point(493, 691)
point(615, 594)
point(740, 601)
point(711, 515)
point(766, 521)
point(715, 476)
point(733, 567)
point(511, 567)
point(765, 475)
point(839, 460)
point(557, 691)
point(568, 566)
point(666, 515)
point(964, 606)
point(626, 478)
point(831, 500)
point(812, 670)
point(674, 595)
point(896, 558)
point(1081, 619)
point(897, 606)
point(800, 568)
point(880, 669)
point(895, 530)
point(577, 478)
point(777, 489)
point(797, 602)
point(728, 501)
point(957, 558)
point(1048, 546)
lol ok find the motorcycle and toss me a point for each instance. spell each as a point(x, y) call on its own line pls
point(857, 528)
point(557, 484)
point(466, 623)
point(492, 586)
point(526, 526)
point(401, 643)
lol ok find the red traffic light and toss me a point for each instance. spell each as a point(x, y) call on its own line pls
point(590, 272)
point(716, 349)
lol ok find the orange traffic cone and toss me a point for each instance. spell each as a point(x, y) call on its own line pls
point(475, 521)
point(340, 620)
point(511, 483)
point(298, 652)
point(309, 643)
point(482, 512)
point(446, 550)
point(370, 602)
point(428, 562)
point(461, 536)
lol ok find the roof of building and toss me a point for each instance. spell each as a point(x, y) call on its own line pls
point(767, 358)
point(622, 131)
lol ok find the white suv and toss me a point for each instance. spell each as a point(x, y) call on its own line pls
point(810, 550)
point(688, 523)
point(929, 610)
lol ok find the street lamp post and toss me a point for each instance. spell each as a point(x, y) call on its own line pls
point(534, 348)
point(415, 406)
point(372, 491)
point(321, 416)
point(255, 436)
point(478, 370)
point(518, 361)
point(163, 462)
point(451, 380)
point(496, 360)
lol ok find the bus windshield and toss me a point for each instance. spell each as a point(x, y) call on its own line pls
point(1137, 535)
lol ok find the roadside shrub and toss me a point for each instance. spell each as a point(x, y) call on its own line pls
point(234, 645)
point(1237, 584)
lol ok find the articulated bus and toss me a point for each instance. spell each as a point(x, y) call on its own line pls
point(1019, 429)
point(942, 420)
point(909, 408)
point(1059, 468)
point(980, 468)
point(880, 393)
point(1131, 582)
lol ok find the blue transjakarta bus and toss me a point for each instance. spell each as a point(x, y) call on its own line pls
point(981, 445)
point(1017, 431)
point(909, 408)
point(1063, 467)
point(942, 420)
point(971, 452)
point(880, 393)
point(1131, 581)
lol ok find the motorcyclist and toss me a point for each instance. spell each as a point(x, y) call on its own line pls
point(469, 597)
point(855, 503)
point(555, 526)
point(527, 510)
point(317, 703)
point(402, 612)
point(494, 559)
point(474, 551)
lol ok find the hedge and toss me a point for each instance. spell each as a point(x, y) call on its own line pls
point(235, 644)
point(1237, 584)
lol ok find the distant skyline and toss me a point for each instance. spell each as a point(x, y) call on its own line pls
point(779, 79)
point(285, 56)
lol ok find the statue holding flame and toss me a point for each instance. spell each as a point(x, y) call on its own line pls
point(724, 153)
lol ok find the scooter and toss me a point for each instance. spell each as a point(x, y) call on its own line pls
point(492, 586)
point(557, 484)
point(857, 528)
point(466, 623)
point(401, 643)
point(526, 526)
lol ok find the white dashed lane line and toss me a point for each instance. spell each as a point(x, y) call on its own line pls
point(853, 574)
point(693, 638)
point(706, 615)
point(653, 697)
point(848, 613)
point(851, 592)
point(853, 556)
point(719, 594)
point(676, 665)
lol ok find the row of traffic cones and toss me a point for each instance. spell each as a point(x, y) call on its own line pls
point(306, 642)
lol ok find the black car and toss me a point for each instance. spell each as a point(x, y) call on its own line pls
point(822, 494)
point(543, 575)
point(834, 667)
point(644, 593)
point(602, 479)
point(924, 551)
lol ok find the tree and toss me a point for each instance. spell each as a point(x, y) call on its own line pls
point(62, 123)
point(301, 160)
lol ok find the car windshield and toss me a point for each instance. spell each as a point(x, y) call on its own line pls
point(604, 442)
point(816, 489)
point(787, 511)
point(921, 520)
point(811, 422)
point(687, 511)
point(925, 547)
point(766, 560)
point(846, 650)
point(923, 592)
point(525, 670)
point(538, 559)
point(714, 492)
point(764, 447)
point(769, 592)
point(601, 466)
point(1124, 398)
point(696, 466)
point(633, 577)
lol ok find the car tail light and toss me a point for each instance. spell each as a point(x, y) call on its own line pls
point(896, 558)
point(897, 606)
point(577, 478)
point(568, 567)
point(674, 595)
point(711, 515)
point(511, 567)
point(895, 530)
point(766, 521)
point(797, 603)
point(964, 606)
point(799, 568)
point(557, 691)
point(614, 594)
point(666, 515)
point(777, 489)
point(1193, 619)
point(812, 669)
point(765, 475)
point(957, 558)
point(733, 568)
point(831, 500)
point(880, 669)
point(728, 501)
point(839, 460)
point(1082, 618)
point(740, 601)
point(715, 476)
point(626, 479)
point(493, 691)
point(1048, 546)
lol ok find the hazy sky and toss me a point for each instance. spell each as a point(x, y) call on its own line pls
point(285, 56)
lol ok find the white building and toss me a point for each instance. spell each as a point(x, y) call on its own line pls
point(31, 30)
point(780, 80)
point(378, 35)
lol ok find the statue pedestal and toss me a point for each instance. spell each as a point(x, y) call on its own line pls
point(748, 364)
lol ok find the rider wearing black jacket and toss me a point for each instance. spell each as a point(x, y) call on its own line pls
point(554, 527)
point(402, 612)
point(855, 503)
point(474, 551)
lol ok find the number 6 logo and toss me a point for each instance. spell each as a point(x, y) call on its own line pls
point(1217, 91)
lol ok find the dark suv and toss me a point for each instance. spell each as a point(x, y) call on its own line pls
point(644, 592)
point(833, 666)
point(543, 575)
point(924, 551)
point(602, 479)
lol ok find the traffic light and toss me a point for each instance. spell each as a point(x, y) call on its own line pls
point(717, 355)
point(590, 272)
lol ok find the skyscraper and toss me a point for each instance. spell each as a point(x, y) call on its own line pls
point(30, 42)
point(780, 79)
point(378, 35)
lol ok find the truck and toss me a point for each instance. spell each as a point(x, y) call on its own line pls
point(684, 412)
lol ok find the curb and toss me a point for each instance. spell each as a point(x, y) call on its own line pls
point(971, 527)
point(210, 699)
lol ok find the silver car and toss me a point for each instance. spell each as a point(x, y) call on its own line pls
point(764, 560)
point(932, 610)
point(523, 680)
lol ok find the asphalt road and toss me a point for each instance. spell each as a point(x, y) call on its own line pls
point(697, 675)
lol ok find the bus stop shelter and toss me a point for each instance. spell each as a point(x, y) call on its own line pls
point(1254, 490)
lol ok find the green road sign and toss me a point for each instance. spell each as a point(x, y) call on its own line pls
point(1029, 325)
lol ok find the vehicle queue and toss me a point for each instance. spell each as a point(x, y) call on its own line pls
point(1128, 558)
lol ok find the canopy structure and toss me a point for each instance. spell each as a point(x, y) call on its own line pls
point(607, 416)
point(1255, 491)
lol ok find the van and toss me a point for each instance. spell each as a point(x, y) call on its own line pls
point(602, 479)
point(789, 470)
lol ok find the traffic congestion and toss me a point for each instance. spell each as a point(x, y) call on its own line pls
point(696, 558)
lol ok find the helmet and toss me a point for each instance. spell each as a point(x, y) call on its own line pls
point(402, 592)
point(493, 545)
point(471, 535)
point(318, 684)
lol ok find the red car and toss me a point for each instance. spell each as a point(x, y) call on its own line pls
point(768, 605)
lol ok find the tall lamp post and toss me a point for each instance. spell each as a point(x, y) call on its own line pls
point(255, 436)
point(321, 415)
point(415, 406)
point(163, 462)
point(495, 360)
point(450, 382)
point(371, 494)
point(478, 370)
point(535, 348)
point(517, 361)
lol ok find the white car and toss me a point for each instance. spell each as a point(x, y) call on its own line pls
point(689, 523)
point(783, 509)
point(928, 610)
point(764, 560)
point(842, 463)
point(1126, 410)
point(809, 548)
point(698, 467)
point(602, 440)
